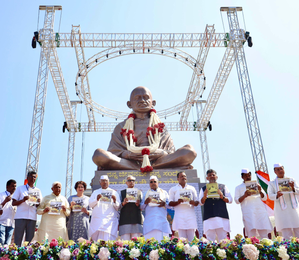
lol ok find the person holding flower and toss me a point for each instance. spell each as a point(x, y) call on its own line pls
point(54, 209)
point(78, 221)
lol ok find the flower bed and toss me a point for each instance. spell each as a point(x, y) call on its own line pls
point(138, 248)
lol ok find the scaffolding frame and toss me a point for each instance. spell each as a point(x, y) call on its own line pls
point(120, 44)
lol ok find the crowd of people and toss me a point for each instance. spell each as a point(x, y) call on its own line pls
point(107, 214)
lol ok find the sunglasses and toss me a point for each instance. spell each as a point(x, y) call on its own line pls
point(153, 181)
point(130, 180)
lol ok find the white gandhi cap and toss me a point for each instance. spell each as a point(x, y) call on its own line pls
point(153, 177)
point(277, 165)
point(245, 170)
point(104, 177)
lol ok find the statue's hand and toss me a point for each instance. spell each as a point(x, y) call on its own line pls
point(157, 154)
point(132, 156)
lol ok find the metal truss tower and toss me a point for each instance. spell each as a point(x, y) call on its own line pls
point(41, 90)
point(115, 45)
point(237, 39)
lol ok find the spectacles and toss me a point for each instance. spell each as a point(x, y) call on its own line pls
point(130, 180)
point(153, 181)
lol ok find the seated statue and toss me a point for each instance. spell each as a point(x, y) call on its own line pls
point(142, 142)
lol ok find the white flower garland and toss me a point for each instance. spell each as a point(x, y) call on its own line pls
point(153, 133)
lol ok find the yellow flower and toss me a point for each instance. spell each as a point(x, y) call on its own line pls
point(248, 241)
point(110, 243)
point(161, 251)
point(279, 239)
point(46, 250)
point(293, 239)
point(180, 245)
point(71, 242)
point(141, 240)
point(25, 243)
point(131, 244)
point(93, 249)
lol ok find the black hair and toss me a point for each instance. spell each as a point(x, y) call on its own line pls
point(211, 171)
point(31, 173)
point(80, 182)
point(10, 182)
point(179, 174)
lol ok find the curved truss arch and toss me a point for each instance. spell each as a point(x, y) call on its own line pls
point(111, 53)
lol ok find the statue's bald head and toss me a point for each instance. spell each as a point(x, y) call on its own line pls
point(141, 100)
point(139, 89)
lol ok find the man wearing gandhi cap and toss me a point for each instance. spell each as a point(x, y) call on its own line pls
point(156, 200)
point(255, 217)
point(286, 209)
point(105, 203)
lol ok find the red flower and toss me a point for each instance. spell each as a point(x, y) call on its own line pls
point(132, 115)
point(134, 239)
point(134, 139)
point(156, 126)
point(160, 130)
point(161, 125)
point(147, 133)
point(153, 131)
point(54, 242)
point(123, 132)
point(153, 110)
point(130, 132)
point(149, 129)
point(145, 151)
point(146, 169)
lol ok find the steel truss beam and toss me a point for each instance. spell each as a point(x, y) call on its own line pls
point(71, 155)
point(237, 38)
point(109, 127)
point(197, 85)
point(107, 54)
point(139, 40)
point(41, 91)
point(203, 140)
point(77, 43)
point(217, 87)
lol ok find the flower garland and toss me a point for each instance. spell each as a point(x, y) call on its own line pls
point(153, 134)
point(168, 249)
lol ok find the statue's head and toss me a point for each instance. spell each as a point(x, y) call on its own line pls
point(141, 100)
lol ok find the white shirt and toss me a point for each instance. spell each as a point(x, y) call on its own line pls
point(24, 211)
point(288, 218)
point(184, 217)
point(7, 217)
point(255, 215)
point(216, 222)
point(104, 215)
point(156, 217)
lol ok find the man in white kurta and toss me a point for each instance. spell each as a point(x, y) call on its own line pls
point(216, 219)
point(255, 217)
point(184, 220)
point(155, 222)
point(104, 220)
point(53, 225)
point(286, 209)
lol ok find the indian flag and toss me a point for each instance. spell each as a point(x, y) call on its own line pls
point(264, 179)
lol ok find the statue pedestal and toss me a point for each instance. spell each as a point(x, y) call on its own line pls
point(164, 176)
point(167, 179)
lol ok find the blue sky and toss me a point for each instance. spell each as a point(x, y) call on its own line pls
point(272, 65)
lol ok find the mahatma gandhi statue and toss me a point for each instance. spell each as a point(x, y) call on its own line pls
point(142, 142)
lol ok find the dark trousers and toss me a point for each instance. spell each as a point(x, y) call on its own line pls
point(22, 226)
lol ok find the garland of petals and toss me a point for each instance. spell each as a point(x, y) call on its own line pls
point(153, 134)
